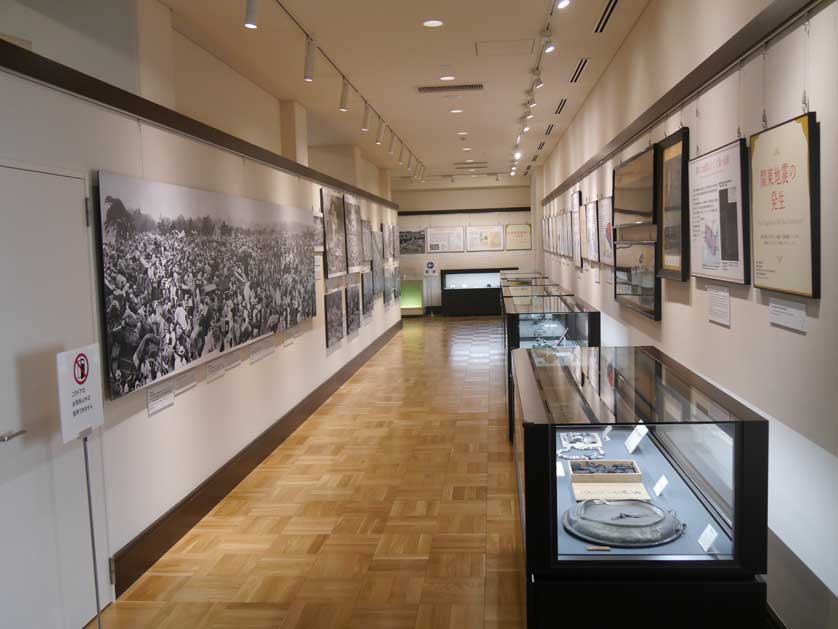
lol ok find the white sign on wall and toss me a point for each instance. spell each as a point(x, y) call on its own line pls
point(445, 239)
point(79, 390)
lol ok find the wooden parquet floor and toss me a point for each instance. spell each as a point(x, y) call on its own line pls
point(394, 505)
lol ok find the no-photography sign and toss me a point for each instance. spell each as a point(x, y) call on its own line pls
point(79, 390)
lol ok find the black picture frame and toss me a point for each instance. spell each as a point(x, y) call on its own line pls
point(644, 217)
point(814, 204)
point(682, 137)
point(334, 257)
point(743, 182)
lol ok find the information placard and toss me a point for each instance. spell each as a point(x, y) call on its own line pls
point(445, 239)
point(79, 390)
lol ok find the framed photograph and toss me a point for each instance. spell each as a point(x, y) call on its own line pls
point(353, 308)
point(387, 234)
point(484, 238)
point(188, 275)
point(377, 261)
point(445, 239)
point(354, 236)
point(605, 211)
point(719, 229)
point(592, 231)
point(396, 237)
point(583, 232)
point(334, 316)
point(785, 202)
point(366, 242)
point(319, 234)
point(397, 283)
point(412, 241)
point(634, 190)
point(672, 214)
point(334, 224)
point(388, 284)
point(636, 284)
point(518, 237)
point(576, 245)
point(367, 293)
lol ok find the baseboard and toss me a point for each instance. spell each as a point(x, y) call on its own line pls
point(138, 555)
point(772, 620)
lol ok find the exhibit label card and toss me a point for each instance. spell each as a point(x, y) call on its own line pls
point(718, 304)
point(716, 215)
point(79, 390)
point(781, 206)
point(788, 314)
point(635, 438)
point(264, 349)
point(161, 396)
point(185, 381)
point(707, 537)
point(661, 485)
point(216, 369)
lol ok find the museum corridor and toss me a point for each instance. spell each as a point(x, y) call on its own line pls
point(394, 505)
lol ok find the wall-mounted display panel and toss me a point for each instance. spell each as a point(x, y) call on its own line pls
point(334, 316)
point(583, 231)
point(518, 237)
point(367, 293)
point(673, 205)
point(592, 232)
point(484, 237)
point(576, 243)
point(785, 193)
point(354, 235)
point(412, 241)
point(353, 308)
point(319, 234)
point(388, 284)
point(445, 239)
point(188, 274)
point(636, 283)
point(387, 234)
point(605, 218)
point(634, 190)
point(334, 222)
point(719, 234)
point(377, 261)
point(395, 239)
point(366, 242)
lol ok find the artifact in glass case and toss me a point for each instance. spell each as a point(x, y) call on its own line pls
point(622, 523)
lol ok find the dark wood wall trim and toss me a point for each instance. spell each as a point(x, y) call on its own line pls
point(138, 555)
point(484, 211)
point(774, 18)
point(29, 64)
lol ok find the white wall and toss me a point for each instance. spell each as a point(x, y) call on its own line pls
point(790, 377)
point(421, 200)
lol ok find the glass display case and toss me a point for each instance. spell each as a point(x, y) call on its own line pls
point(471, 291)
point(558, 322)
point(636, 474)
point(527, 281)
point(530, 290)
point(470, 280)
point(515, 273)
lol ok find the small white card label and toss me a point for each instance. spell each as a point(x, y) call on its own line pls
point(718, 304)
point(635, 438)
point(216, 369)
point(789, 314)
point(661, 485)
point(185, 381)
point(266, 348)
point(708, 536)
point(161, 396)
point(234, 359)
point(559, 469)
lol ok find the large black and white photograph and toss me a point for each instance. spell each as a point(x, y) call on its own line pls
point(377, 261)
point(353, 308)
point(388, 284)
point(412, 241)
point(367, 294)
point(395, 241)
point(189, 274)
point(334, 316)
point(335, 231)
point(366, 240)
point(319, 235)
point(387, 233)
point(354, 236)
point(397, 283)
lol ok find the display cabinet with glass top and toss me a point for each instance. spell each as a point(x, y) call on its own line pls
point(640, 484)
point(471, 291)
point(558, 322)
point(529, 290)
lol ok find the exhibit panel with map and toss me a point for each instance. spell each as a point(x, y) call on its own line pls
point(445, 239)
point(484, 237)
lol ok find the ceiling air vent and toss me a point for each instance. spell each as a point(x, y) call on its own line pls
point(549, 129)
point(560, 108)
point(534, 157)
point(579, 69)
point(443, 88)
point(472, 167)
point(471, 163)
point(606, 15)
point(541, 146)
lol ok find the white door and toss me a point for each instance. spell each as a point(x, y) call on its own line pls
point(46, 292)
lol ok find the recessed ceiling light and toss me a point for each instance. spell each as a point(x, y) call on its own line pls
point(526, 128)
point(468, 161)
point(563, 4)
point(517, 155)
point(456, 111)
point(471, 170)
point(432, 23)
point(465, 148)
point(462, 132)
point(447, 77)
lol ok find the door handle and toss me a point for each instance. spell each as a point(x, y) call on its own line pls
point(14, 434)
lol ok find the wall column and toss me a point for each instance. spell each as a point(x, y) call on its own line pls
point(293, 119)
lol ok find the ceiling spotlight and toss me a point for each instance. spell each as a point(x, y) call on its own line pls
point(518, 140)
point(462, 132)
point(365, 124)
point(563, 4)
point(466, 148)
point(401, 154)
point(512, 173)
point(517, 155)
point(344, 96)
point(528, 114)
point(379, 137)
point(526, 128)
point(308, 75)
point(432, 23)
point(538, 82)
point(530, 103)
point(547, 41)
point(251, 14)
point(471, 170)
point(447, 77)
point(392, 146)
point(468, 161)
point(456, 111)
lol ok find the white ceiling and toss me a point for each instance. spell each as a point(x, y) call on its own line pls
point(386, 53)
